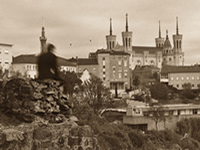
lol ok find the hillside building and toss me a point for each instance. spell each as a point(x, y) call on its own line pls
point(176, 76)
point(5, 55)
point(141, 117)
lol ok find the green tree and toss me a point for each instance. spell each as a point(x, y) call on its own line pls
point(159, 91)
point(72, 82)
point(94, 94)
point(156, 76)
point(157, 114)
point(187, 91)
point(136, 81)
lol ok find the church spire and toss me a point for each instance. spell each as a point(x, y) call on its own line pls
point(126, 22)
point(177, 26)
point(110, 26)
point(43, 39)
point(159, 30)
point(167, 35)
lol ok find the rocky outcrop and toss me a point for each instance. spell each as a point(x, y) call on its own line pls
point(39, 136)
point(29, 98)
point(46, 118)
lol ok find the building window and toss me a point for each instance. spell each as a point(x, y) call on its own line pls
point(170, 59)
point(176, 78)
point(172, 78)
point(94, 69)
point(119, 62)
point(177, 86)
point(125, 63)
point(104, 78)
point(187, 78)
point(192, 85)
point(192, 78)
point(6, 52)
point(182, 78)
point(197, 78)
point(104, 66)
point(194, 111)
point(179, 112)
point(104, 63)
point(120, 75)
point(125, 74)
point(6, 62)
point(103, 58)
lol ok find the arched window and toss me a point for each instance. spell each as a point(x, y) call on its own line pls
point(138, 62)
point(174, 43)
point(110, 45)
point(126, 42)
point(180, 44)
point(177, 44)
point(129, 42)
point(113, 44)
point(152, 63)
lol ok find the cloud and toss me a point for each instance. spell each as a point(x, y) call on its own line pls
point(77, 21)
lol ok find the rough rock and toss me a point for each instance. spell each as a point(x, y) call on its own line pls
point(27, 98)
point(41, 136)
point(47, 120)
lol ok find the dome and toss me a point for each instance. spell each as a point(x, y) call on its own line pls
point(167, 43)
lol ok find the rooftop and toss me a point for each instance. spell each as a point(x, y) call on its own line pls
point(32, 59)
point(180, 69)
point(111, 52)
point(138, 49)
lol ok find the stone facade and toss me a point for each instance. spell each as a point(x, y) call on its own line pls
point(176, 76)
point(5, 55)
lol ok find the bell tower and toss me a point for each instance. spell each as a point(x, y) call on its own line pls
point(43, 39)
point(159, 40)
point(177, 48)
point(127, 38)
point(111, 39)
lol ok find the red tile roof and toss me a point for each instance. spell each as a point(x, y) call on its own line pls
point(25, 58)
point(32, 59)
point(180, 69)
point(84, 61)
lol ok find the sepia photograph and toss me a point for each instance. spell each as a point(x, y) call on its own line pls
point(99, 75)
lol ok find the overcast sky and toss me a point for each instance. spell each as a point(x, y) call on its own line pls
point(78, 21)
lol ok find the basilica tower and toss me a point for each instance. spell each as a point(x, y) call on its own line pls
point(167, 52)
point(43, 39)
point(177, 40)
point(127, 38)
point(111, 39)
point(159, 40)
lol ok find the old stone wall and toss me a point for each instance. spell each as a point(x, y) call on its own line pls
point(47, 122)
point(40, 136)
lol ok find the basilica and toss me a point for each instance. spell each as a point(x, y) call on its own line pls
point(162, 54)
